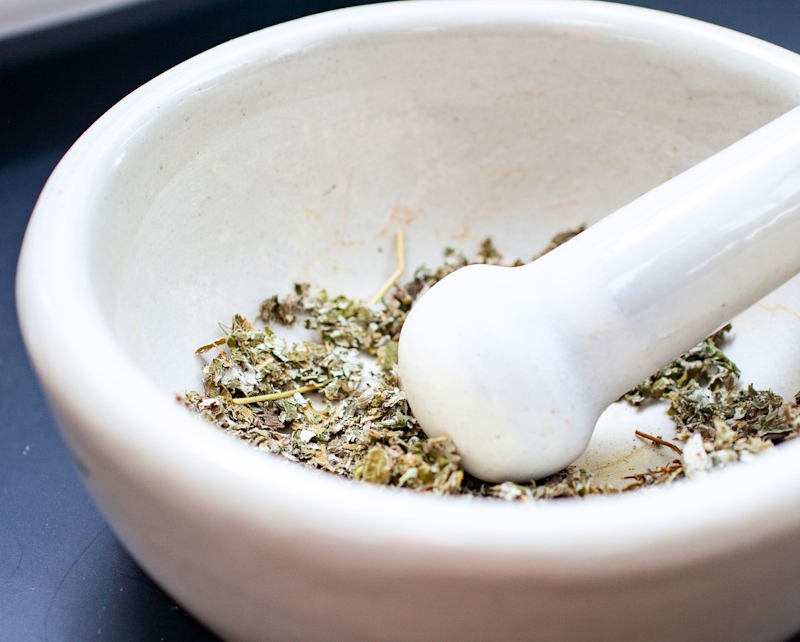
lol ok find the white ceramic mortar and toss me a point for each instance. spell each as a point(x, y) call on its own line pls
point(293, 154)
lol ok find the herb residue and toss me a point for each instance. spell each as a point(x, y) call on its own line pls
point(256, 384)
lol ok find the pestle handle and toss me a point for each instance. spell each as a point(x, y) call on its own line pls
point(684, 259)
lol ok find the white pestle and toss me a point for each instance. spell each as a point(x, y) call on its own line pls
point(517, 364)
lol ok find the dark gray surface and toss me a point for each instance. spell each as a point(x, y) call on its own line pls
point(73, 33)
point(63, 574)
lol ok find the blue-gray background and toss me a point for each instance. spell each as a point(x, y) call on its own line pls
point(63, 574)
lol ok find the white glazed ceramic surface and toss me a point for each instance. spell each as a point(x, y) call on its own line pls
point(293, 154)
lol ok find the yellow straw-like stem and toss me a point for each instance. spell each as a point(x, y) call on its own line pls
point(398, 273)
point(277, 395)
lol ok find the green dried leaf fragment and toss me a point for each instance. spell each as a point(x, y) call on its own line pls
point(376, 466)
point(285, 311)
point(387, 356)
point(705, 365)
point(209, 346)
point(560, 239)
point(487, 254)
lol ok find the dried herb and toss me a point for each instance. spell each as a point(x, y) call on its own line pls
point(359, 425)
point(720, 424)
point(559, 239)
point(570, 482)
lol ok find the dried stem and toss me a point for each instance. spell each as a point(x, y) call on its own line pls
point(278, 395)
point(398, 273)
point(671, 467)
point(658, 440)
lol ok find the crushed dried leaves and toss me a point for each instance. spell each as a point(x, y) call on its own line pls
point(359, 425)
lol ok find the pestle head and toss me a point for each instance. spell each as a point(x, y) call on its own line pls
point(481, 364)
